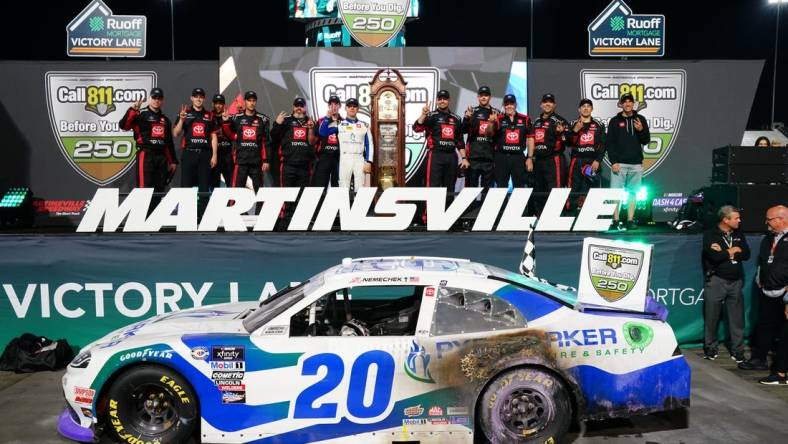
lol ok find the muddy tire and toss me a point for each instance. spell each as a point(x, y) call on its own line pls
point(524, 405)
point(151, 404)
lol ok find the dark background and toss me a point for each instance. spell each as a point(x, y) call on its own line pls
point(741, 29)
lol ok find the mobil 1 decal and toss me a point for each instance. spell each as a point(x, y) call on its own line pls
point(85, 109)
point(659, 96)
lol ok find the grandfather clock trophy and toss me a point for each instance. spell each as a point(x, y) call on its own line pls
point(388, 128)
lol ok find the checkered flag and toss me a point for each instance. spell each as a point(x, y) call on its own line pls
point(528, 263)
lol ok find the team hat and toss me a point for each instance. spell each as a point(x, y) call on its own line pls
point(250, 95)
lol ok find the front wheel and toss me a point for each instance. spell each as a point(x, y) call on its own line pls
point(525, 405)
point(151, 404)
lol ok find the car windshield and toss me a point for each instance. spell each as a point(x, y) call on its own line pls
point(567, 296)
point(279, 302)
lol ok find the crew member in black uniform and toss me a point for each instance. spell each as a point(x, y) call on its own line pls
point(588, 148)
point(479, 124)
point(294, 136)
point(549, 140)
point(224, 164)
point(199, 143)
point(444, 138)
point(514, 145)
point(327, 165)
point(251, 132)
point(153, 135)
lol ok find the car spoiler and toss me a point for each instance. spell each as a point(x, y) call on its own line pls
point(653, 310)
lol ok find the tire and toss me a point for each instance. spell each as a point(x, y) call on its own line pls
point(150, 404)
point(545, 418)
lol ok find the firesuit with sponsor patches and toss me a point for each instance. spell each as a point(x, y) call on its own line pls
point(155, 149)
point(198, 125)
point(355, 147)
point(295, 152)
point(224, 165)
point(511, 146)
point(326, 168)
point(547, 141)
point(479, 147)
point(444, 138)
point(588, 146)
point(251, 135)
point(152, 130)
point(549, 163)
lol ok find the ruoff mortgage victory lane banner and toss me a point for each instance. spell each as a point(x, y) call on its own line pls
point(85, 109)
point(660, 93)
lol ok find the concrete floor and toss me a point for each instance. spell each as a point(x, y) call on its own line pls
point(728, 405)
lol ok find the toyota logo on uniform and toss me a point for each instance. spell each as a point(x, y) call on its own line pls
point(447, 131)
point(157, 131)
point(249, 133)
point(512, 136)
point(587, 138)
point(299, 133)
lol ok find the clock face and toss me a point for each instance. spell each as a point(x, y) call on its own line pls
point(388, 106)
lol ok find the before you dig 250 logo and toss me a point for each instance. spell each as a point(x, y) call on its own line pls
point(85, 109)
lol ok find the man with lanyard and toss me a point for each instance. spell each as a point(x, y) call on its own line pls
point(295, 142)
point(724, 249)
point(153, 134)
point(250, 130)
point(549, 139)
point(355, 145)
point(514, 145)
point(772, 280)
point(199, 143)
point(224, 165)
point(478, 123)
point(327, 165)
point(588, 150)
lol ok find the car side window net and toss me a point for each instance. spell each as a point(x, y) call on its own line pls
point(460, 311)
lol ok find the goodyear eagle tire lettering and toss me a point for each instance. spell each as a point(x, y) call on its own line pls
point(525, 405)
point(151, 405)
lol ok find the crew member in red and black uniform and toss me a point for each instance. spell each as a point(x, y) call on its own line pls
point(199, 142)
point(251, 132)
point(443, 130)
point(549, 140)
point(153, 134)
point(327, 165)
point(514, 146)
point(294, 136)
point(224, 157)
point(588, 149)
point(444, 139)
point(479, 124)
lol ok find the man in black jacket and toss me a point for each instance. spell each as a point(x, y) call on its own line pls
point(514, 145)
point(251, 132)
point(772, 280)
point(724, 249)
point(550, 139)
point(588, 150)
point(294, 138)
point(479, 124)
point(627, 132)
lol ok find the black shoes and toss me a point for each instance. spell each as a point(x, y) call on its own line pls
point(753, 364)
point(774, 379)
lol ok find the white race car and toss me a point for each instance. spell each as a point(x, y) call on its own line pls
point(378, 350)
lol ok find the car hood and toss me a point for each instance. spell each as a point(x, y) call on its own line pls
point(223, 318)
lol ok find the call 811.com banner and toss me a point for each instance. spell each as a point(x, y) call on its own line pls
point(278, 75)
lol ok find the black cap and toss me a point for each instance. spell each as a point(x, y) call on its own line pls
point(334, 99)
point(585, 101)
point(443, 93)
point(250, 95)
point(198, 92)
point(484, 89)
point(351, 102)
point(218, 98)
point(625, 97)
point(299, 101)
point(548, 98)
point(157, 92)
point(509, 98)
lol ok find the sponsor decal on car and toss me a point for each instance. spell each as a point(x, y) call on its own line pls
point(233, 397)
point(84, 395)
point(199, 353)
point(638, 335)
point(417, 364)
point(227, 375)
point(145, 354)
point(275, 330)
point(435, 411)
point(462, 420)
point(227, 353)
point(439, 421)
point(414, 421)
point(452, 411)
point(383, 279)
point(229, 365)
point(416, 410)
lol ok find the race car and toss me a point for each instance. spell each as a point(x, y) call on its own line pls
point(377, 350)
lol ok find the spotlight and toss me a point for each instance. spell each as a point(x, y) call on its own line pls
point(16, 208)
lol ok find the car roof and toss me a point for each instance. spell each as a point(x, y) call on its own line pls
point(411, 264)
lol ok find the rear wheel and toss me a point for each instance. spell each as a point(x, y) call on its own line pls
point(525, 405)
point(151, 404)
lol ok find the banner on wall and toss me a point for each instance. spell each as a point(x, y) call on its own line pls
point(81, 288)
point(614, 273)
point(659, 94)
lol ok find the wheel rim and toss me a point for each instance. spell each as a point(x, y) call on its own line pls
point(152, 409)
point(525, 411)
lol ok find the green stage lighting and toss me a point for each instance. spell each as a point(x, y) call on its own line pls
point(15, 197)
